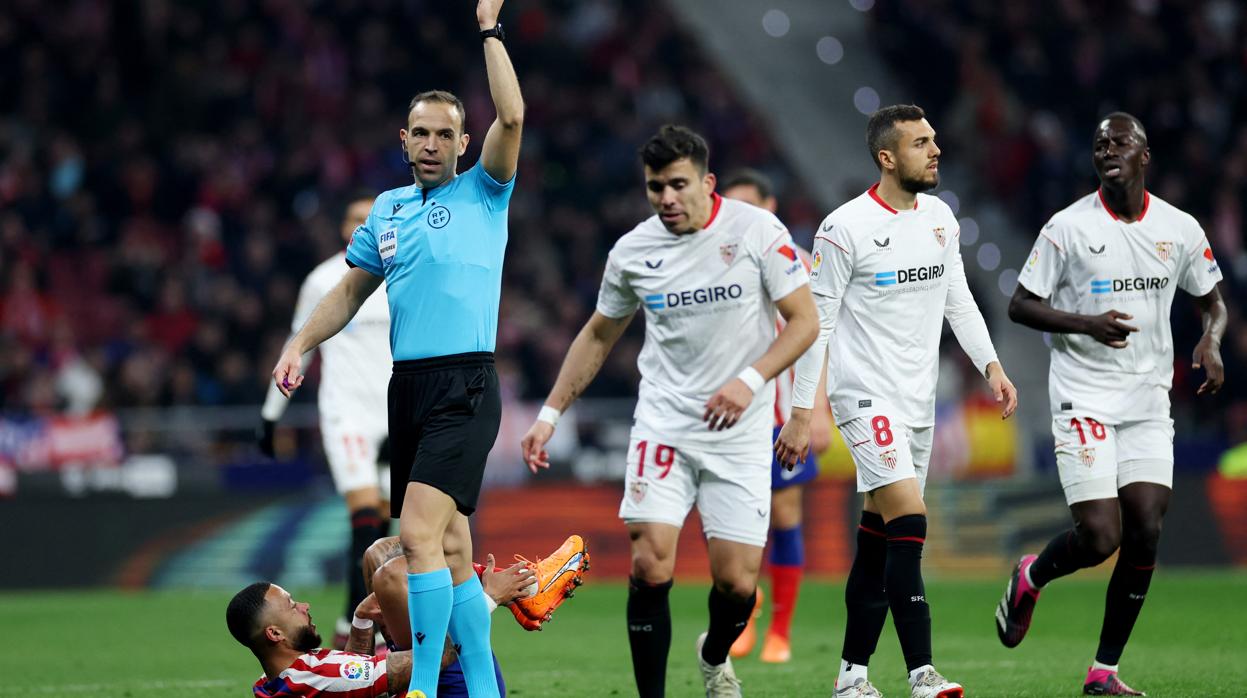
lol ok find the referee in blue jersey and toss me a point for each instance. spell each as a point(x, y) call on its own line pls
point(438, 244)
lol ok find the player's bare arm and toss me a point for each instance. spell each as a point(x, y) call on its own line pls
point(1208, 350)
point(1006, 394)
point(505, 586)
point(361, 640)
point(398, 671)
point(583, 361)
point(330, 316)
point(820, 426)
point(800, 314)
point(500, 153)
point(1026, 308)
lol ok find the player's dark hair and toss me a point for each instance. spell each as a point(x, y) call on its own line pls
point(244, 611)
point(747, 177)
point(673, 143)
point(445, 98)
point(881, 129)
point(1127, 117)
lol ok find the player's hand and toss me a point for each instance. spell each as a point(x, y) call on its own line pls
point(264, 436)
point(370, 609)
point(1108, 328)
point(533, 445)
point(1208, 357)
point(793, 441)
point(505, 586)
point(487, 13)
point(727, 405)
point(288, 374)
point(1003, 389)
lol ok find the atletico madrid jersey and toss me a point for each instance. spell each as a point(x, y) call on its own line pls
point(709, 301)
point(1087, 260)
point(328, 674)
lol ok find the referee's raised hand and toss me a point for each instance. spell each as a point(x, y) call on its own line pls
point(487, 12)
point(288, 374)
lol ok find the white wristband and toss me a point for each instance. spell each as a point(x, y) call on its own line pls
point(549, 415)
point(490, 604)
point(361, 623)
point(752, 378)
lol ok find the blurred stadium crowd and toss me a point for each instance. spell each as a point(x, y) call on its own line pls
point(1032, 79)
point(155, 225)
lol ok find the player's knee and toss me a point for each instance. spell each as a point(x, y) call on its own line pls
point(737, 588)
point(650, 568)
point(1100, 541)
point(1143, 538)
point(389, 576)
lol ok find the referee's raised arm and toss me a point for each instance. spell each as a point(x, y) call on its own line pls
point(501, 151)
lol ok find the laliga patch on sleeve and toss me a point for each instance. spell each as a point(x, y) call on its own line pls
point(358, 670)
point(387, 245)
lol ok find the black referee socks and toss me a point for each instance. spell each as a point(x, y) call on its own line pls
point(906, 594)
point(649, 635)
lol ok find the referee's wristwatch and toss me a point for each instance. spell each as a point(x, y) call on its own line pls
point(496, 33)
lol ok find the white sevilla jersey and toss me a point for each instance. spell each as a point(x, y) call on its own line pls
point(783, 382)
point(356, 362)
point(709, 300)
point(885, 280)
point(1088, 261)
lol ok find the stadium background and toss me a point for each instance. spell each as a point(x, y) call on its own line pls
point(170, 171)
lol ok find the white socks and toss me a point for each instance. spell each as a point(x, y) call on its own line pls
point(850, 673)
point(1104, 667)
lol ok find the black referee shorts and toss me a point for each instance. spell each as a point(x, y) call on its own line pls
point(444, 415)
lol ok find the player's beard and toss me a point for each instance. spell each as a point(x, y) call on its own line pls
point(305, 639)
point(919, 184)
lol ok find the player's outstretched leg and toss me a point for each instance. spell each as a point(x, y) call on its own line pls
point(867, 606)
point(1096, 533)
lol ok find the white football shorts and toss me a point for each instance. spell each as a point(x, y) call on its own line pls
point(352, 451)
point(1095, 459)
point(732, 491)
point(886, 451)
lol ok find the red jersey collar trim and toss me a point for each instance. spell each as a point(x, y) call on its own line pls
point(1147, 201)
point(714, 208)
point(874, 194)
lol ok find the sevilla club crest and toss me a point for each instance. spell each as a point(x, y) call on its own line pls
point(637, 491)
point(1164, 250)
point(889, 458)
point(1087, 455)
point(727, 253)
point(939, 235)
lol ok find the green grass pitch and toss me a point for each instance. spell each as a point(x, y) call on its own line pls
point(1190, 641)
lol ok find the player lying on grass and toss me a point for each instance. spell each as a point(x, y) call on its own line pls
point(279, 630)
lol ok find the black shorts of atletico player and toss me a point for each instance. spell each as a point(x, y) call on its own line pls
point(444, 416)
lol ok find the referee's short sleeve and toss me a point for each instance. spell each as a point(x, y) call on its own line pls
point(616, 298)
point(495, 194)
point(362, 250)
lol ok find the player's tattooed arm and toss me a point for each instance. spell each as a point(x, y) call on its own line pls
point(1208, 350)
point(583, 361)
point(1026, 308)
point(360, 640)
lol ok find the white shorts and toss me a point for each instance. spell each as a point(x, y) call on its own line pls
point(886, 451)
point(732, 492)
point(1095, 460)
point(352, 450)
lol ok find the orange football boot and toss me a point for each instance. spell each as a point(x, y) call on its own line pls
point(749, 637)
point(776, 649)
point(557, 578)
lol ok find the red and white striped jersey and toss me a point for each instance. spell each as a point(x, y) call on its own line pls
point(328, 674)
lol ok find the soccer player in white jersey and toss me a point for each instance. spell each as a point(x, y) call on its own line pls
point(1101, 278)
point(710, 274)
point(887, 271)
point(786, 559)
point(355, 372)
